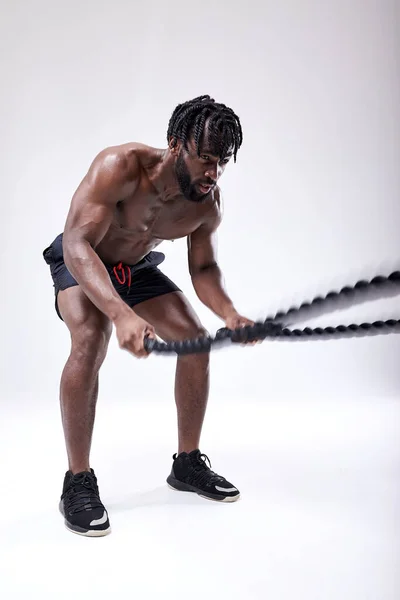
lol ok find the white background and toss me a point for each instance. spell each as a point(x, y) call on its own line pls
point(308, 431)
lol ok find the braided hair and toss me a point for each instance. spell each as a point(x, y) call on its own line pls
point(224, 129)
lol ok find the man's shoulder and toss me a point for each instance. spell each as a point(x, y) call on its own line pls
point(217, 202)
point(218, 197)
point(127, 159)
point(129, 151)
point(213, 213)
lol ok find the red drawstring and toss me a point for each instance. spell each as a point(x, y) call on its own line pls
point(121, 267)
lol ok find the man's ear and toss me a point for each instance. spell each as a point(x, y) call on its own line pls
point(175, 148)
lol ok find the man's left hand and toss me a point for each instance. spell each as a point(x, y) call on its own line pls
point(236, 321)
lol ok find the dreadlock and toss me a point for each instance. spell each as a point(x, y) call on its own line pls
point(189, 118)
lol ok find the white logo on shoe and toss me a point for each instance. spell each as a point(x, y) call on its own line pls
point(221, 489)
point(99, 521)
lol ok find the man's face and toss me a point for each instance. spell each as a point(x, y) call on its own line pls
point(198, 175)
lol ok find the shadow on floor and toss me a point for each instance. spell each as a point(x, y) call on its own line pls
point(159, 496)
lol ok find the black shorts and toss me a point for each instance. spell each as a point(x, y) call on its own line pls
point(133, 283)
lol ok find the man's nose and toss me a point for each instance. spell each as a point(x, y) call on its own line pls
point(213, 173)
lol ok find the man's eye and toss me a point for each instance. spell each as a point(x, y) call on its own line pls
point(205, 157)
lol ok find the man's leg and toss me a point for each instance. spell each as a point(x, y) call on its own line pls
point(90, 333)
point(174, 319)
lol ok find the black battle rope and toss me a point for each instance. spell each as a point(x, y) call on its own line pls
point(274, 328)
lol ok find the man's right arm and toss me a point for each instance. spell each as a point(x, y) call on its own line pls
point(110, 178)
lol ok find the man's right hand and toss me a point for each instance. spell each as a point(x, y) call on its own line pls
point(131, 331)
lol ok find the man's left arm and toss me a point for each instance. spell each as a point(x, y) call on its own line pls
point(206, 275)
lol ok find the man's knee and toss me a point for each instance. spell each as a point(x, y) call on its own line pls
point(90, 341)
point(90, 329)
point(191, 330)
point(194, 331)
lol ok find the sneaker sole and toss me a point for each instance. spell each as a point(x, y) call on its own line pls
point(90, 532)
point(179, 486)
point(84, 532)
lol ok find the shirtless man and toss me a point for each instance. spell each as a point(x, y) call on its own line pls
point(105, 272)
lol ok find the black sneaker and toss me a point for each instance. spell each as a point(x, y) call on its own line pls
point(81, 506)
point(190, 473)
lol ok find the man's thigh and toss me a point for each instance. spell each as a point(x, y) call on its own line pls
point(172, 316)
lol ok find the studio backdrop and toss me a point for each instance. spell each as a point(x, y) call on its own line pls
point(312, 203)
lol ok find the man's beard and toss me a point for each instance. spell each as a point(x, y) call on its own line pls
point(186, 186)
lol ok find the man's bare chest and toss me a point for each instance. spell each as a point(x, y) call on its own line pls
point(154, 218)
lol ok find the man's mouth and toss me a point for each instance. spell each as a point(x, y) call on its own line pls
point(205, 187)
